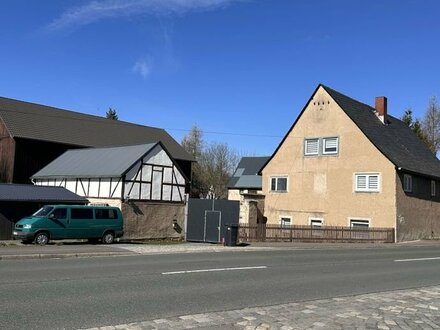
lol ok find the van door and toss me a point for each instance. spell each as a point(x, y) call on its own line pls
point(81, 220)
point(58, 223)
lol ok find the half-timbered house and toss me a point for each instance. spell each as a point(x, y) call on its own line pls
point(143, 180)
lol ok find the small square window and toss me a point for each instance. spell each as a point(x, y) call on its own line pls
point(311, 147)
point(285, 222)
point(278, 184)
point(330, 146)
point(407, 183)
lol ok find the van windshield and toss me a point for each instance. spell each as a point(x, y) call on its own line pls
point(43, 212)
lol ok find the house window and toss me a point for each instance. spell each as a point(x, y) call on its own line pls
point(330, 146)
point(407, 183)
point(367, 182)
point(311, 147)
point(361, 224)
point(432, 188)
point(286, 222)
point(278, 184)
point(315, 222)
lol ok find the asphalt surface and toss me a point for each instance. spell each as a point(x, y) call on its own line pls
point(89, 292)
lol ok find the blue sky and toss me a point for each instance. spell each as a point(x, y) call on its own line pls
point(241, 68)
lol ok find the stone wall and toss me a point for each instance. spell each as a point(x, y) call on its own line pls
point(153, 220)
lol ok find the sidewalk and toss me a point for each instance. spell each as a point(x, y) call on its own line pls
point(74, 248)
point(402, 309)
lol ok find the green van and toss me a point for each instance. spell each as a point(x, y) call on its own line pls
point(70, 221)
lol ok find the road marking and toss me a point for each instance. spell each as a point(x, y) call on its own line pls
point(419, 259)
point(213, 270)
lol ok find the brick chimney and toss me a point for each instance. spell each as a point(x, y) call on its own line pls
point(381, 108)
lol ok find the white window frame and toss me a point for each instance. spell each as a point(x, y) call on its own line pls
point(285, 218)
point(315, 219)
point(324, 140)
point(359, 220)
point(433, 188)
point(277, 177)
point(407, 183)
point(367, 182)
point(305, 147)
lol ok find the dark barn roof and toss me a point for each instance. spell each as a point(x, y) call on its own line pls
point(40, 122)
point(30, 193)
point(246, 175)
point(395, 140)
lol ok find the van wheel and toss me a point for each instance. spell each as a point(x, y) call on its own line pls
point(41, 238)
point(108, 238)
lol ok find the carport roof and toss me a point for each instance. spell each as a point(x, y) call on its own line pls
point(29, 193)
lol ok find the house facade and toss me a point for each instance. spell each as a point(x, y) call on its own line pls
point(344, 163)
point(245, 186)
point(142, 180)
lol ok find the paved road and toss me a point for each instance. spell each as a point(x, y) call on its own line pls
point(85, 293)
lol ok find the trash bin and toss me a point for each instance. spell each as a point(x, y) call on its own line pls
point(231, 235)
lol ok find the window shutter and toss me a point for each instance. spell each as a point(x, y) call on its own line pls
point(361, 182)
point(373, 182)
point(330, 145)
point(312, 147)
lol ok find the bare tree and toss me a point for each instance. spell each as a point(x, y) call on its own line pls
point(214, 167)
point(218, 163)
point(431, 124)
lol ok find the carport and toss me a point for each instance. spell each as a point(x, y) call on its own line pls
point(20, 200)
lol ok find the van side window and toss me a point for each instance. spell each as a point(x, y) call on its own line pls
point(81, 214)
point(105, 214)
point(60, 214)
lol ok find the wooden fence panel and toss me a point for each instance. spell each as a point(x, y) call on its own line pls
point(295, 233)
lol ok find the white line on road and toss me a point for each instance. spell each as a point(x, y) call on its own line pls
point(213, 270)
point(419, 259)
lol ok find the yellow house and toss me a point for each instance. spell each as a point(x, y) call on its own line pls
point(344, 163)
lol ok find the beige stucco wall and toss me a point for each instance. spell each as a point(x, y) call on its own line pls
point(323, 186)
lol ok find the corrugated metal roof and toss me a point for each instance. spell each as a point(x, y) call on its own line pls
point(246, 175)
point(40, 122)
point(94, 162)
point(30, 193)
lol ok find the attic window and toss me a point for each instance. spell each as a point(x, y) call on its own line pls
point(407, 183)
point(330, 146)
point(311, 147)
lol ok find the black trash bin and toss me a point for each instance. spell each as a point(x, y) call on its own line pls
point(231, 235)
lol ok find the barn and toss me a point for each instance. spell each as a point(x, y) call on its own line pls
point(32, 135)
point(144, 181)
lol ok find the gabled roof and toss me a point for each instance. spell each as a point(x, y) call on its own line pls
point(30, 193)
point(40, 122)
point(395, 140)
point(246, 175)
point(108, 162)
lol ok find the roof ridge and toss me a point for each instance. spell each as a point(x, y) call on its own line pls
point(331, 90)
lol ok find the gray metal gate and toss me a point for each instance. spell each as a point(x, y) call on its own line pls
point(207, 219)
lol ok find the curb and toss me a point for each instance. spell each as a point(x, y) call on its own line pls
point(63, 255)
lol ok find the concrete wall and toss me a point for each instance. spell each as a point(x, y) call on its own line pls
point(323, 186)
point(153, 220)
point(418, 213)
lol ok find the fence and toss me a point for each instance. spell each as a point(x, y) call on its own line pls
point(295, 233)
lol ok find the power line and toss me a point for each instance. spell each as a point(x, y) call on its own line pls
point(226, 133)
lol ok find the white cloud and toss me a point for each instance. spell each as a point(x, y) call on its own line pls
point(143, 67)
point(102, 9)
